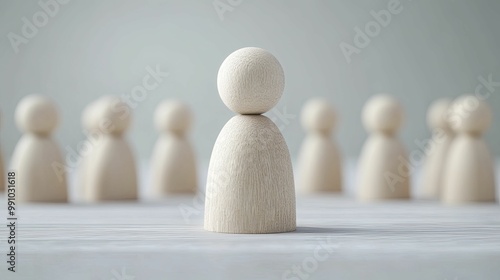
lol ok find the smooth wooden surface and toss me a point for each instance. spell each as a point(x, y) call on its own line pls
point(396, 240)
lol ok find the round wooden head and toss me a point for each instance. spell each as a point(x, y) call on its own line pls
point(437, 114)
point(470, 115)
point(250, 81)
point(318, 116)
point(112, 115)
point(173, 116)
point(90, 120)
point(383, 113)
point(37, 114)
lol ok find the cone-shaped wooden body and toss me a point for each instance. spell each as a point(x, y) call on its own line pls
point(173, 166)
point(250, 187)
point(111, 171)
point(469, 174)
point(40, 170)
point(320, 165)
point(383, 169)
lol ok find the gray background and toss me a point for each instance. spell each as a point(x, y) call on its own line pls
point(91, 48)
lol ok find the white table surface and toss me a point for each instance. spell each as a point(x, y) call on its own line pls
point(398, 240)
point(152, 240)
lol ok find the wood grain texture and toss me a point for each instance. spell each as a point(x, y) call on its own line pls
point(250, 184)
point(250, 81)
point(390, 240)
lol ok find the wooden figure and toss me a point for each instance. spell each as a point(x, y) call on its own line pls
point(442, 135)
point(320, 164)
point(173, 163)
point(469, 175)
point(383, 165)
point(110, 167)
point(250, 187)
point(37, 159)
